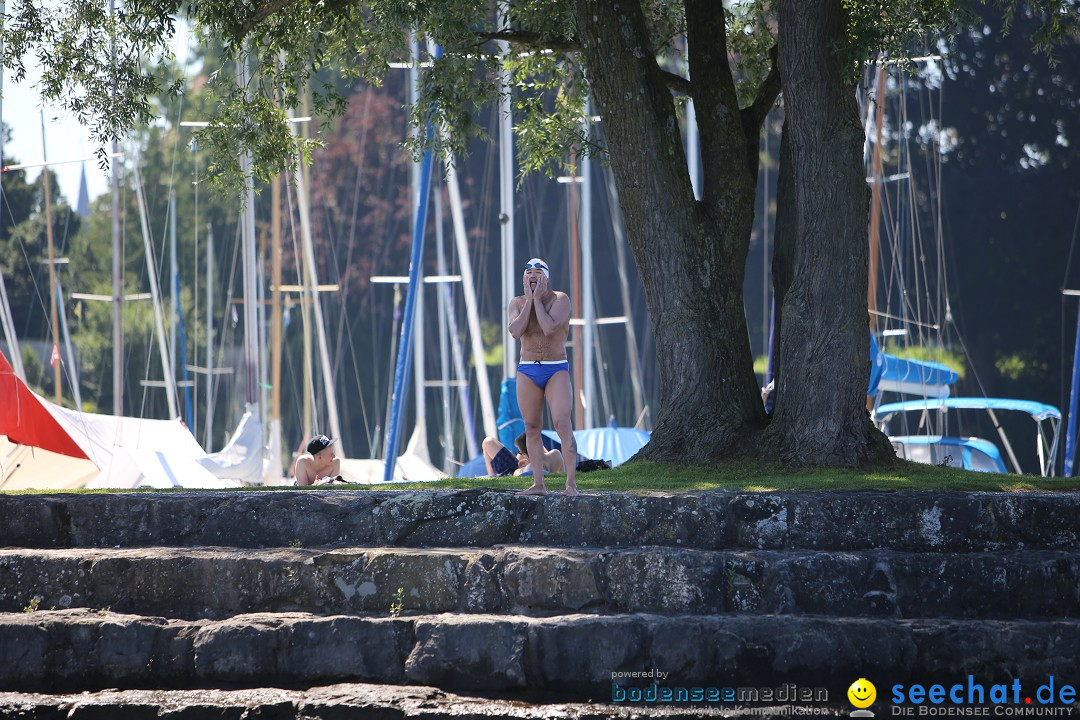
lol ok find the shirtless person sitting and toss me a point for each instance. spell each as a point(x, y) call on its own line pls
point(540, 319)
point(501, 462)
point(318, 462)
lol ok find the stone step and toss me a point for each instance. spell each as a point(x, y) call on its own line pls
point(912, 521)
point(354, 700)
point(571, 656)
point(212, 583)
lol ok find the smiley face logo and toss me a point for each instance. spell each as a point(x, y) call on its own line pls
point(862, 693)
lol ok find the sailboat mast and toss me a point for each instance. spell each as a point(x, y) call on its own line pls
point(117, 261)
point(275, 317)
point(276, 320)
point(510, 279)
point(174, 278)
point(155, 294)
point(53, 315)
point(1074, 390)
point(177, 324)
point(308, 345)
point(575, 288)
point(74, 376)
point(469, 290)
point(419, 352)
point(251, 319)
point(444, 349)
point(875, 199)
point(209, 337)
point(311, 281)
point(624, 293)
point(588, 387)
point(408, 334)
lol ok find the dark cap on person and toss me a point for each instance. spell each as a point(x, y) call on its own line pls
point(318, 444)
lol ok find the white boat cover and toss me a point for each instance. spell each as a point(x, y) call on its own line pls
point(242, 457)
point(23, 467)
point(80, 449)
point(413, 465)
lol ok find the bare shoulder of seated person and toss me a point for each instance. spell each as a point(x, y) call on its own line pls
point(319, 464)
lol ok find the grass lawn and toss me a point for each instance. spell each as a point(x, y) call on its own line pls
point(758, 476)
point(735, 475)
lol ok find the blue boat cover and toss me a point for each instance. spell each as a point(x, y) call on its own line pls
point(898, 369)
point(974, 453)
point(509, 421)
point(611, 443)
point(614, 444)
point(474, 468)
point(1038, 411)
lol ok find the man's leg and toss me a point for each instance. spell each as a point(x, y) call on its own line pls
point(491, 448)
point(531, 403)
point(560, 399)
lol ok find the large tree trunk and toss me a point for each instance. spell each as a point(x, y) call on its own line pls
point(820, 416)
point(691, 255)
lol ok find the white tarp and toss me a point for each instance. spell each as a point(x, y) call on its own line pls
point(242, 457)
point(23, 467)
point(136, 452)
point(89, 450)
point(412, 466)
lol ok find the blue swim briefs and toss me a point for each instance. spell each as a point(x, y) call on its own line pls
point(540, 371)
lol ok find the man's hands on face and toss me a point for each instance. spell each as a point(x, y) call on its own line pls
point(543, 284)
point(527, 286)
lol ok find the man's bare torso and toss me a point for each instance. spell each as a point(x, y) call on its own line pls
point(535, 345)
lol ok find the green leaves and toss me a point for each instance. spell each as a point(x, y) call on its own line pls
point(252, 123)
point(549, 92)
point(453, 89)
point(104, 68)
point(897, 29)
point(1057, 20)
point(94, 65)
point(750, 37)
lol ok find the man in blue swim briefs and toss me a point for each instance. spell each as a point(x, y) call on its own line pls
point(540, 319)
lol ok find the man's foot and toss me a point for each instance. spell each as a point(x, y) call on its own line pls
point(534, 490)
point(570, 491)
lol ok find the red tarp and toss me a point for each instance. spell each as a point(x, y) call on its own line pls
point(26, 421)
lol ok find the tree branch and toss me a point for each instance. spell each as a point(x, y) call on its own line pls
point(754, 116)
point(767, 93)
point(523, 38)
point(529, 39)
point(532, 40)
point(676, 82)
point(273, 7)
point(716, 105)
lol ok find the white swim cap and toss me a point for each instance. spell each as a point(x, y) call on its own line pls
point(538, 263)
